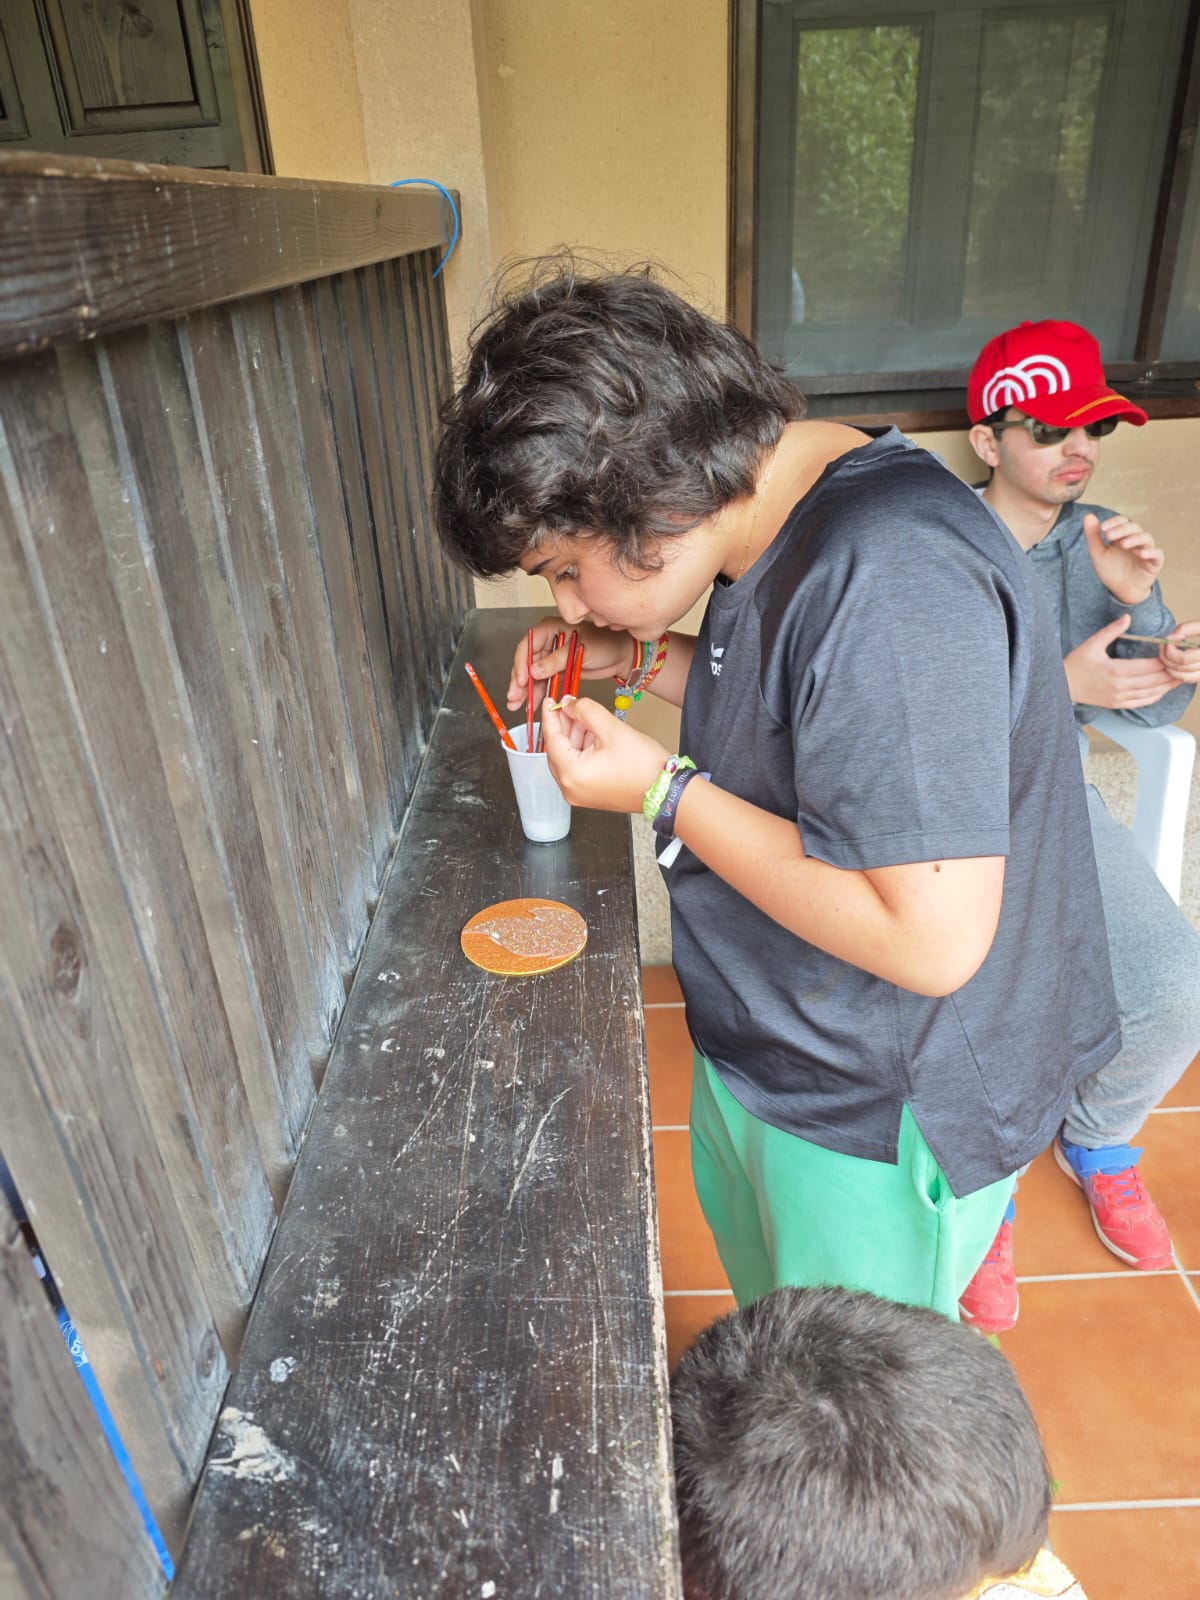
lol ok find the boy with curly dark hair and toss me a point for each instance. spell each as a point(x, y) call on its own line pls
point(884, 908)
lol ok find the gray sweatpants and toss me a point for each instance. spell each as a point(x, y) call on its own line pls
point(1155, 955)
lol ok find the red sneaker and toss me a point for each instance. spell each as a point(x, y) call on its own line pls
point(990, 1301)
point(1126, 1220)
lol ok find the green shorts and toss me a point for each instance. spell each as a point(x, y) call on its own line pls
point(784, 1210)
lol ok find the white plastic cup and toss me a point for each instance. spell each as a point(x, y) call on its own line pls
point(545, 815)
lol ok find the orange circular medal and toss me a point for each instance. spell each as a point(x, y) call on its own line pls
point(521, 937)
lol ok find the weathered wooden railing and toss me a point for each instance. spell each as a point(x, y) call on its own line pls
point(225, 632)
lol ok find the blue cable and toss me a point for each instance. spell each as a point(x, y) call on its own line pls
point(403, 183)
point(115, 1443)
point(84, 1368)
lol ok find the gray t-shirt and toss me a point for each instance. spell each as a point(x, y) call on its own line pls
point(886, 676)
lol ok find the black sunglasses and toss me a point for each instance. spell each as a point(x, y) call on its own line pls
point(1043, 433)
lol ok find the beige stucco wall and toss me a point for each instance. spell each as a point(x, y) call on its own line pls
point(424, 111)
point(609, 131)
point(306, 56)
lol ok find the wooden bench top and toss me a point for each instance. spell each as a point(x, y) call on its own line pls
point(454, 1378)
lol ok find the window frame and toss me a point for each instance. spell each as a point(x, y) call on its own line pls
point(936, 398)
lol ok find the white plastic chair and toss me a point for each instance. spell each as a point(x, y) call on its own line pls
point(1164, 757)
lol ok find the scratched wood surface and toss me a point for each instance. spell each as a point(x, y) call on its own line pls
point(212, 712)
point(454, 1380)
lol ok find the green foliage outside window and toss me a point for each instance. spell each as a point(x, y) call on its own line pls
point(854, 159)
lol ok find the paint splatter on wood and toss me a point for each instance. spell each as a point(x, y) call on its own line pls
point(251, 1453)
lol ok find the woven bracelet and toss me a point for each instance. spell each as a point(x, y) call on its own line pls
point(657, 792)
point(646, 668)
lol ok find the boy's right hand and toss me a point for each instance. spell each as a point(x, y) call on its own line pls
point(604, 653)
point(1118, 683)
point(596, 760)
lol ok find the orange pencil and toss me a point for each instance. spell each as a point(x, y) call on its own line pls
point(490, 708)
point(556, 680)
point(551, 688)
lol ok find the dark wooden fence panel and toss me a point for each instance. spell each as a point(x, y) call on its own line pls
point(270, 651)
point(78, 1013)
point(392, 683)
point(461, 584)
point(221, 651)
point(247, 893)
point(63, 1492)
point(351, 653)
point(406, 283)
point(400, 466)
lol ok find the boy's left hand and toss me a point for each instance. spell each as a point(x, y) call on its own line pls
point(1183, 665)
point(596, 759)
point(1126, 559)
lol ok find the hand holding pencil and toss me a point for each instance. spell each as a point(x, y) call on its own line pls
point(599, 654)
point(1180, 652)
point(597, 760)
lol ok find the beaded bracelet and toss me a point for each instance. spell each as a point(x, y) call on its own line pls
point(645, 669)
point(657, 792)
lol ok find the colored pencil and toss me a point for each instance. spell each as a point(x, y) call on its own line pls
point(529, 744)
point(578, 673)
point(556, 680)
point(569, 672)
point(551, 690)
point(1161, 638)
point(490, 708)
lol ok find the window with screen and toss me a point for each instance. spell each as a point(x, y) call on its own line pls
point(925, 175)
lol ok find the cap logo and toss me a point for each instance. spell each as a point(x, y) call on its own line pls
point(1011, 386)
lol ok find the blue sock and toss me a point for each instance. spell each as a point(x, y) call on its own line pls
point(1108, 1158)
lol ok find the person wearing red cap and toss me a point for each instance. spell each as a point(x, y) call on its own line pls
point(1039, 405)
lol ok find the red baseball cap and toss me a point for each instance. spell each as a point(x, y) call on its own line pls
point(1052, 372)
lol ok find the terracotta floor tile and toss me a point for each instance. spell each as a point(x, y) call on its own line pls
point(1110, 1366)
point(689, 1256)
point(1171, 1171)
point(688, 1315)
point(1187, 1091)
point(1053, 1231)
point(1148, 1554)
point(660, 986)
point(669, 1057)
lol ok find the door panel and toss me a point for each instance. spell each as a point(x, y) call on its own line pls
point(170, 81)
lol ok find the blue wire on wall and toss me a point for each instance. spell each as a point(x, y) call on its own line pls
point(8, 1191)
point(432, 183)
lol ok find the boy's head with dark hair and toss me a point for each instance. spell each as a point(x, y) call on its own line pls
point(599, 406)
point(835, 1446)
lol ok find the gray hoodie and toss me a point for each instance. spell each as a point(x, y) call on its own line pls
point(1084, 606)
